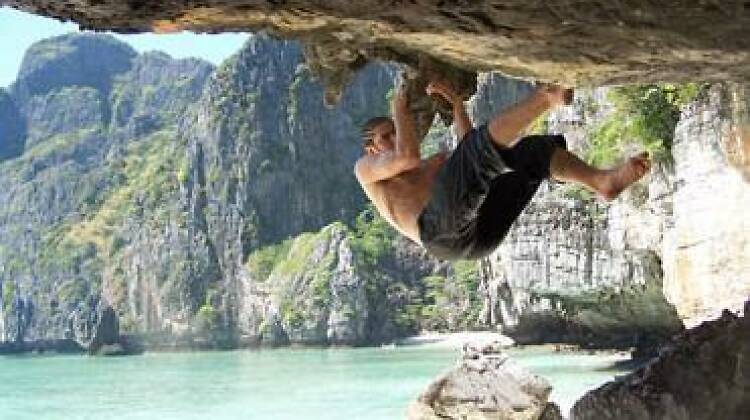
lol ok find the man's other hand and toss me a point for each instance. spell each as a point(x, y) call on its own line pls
point(400, 102)
point(445, 90)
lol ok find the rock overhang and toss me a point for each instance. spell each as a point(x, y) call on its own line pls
point(571, 42)
point(575, 43)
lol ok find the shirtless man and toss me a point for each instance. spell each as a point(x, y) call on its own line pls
point(461, 206)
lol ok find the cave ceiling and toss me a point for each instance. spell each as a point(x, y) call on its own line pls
point(575, 43)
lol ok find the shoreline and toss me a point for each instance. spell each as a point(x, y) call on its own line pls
point(425, 339)
point(454, 339)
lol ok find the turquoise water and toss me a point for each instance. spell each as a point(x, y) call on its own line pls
point(371, 383)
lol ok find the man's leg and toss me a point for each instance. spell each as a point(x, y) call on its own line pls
point(505, 128)
point(607, 183)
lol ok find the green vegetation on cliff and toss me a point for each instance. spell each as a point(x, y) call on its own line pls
point(643, 115)
point(372, 238)
point(444, 301)
point(9, 292)
point(146, 173)
point(319, 275)
point(642, 118)
point(263, 261)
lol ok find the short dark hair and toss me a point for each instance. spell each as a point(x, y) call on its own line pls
point(369, 126)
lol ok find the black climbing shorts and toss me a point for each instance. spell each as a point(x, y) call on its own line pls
point(480, 191)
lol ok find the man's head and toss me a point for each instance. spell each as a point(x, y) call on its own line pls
point(378, 135)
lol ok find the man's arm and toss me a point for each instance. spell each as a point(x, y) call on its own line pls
point(405, 155)
point(407, 143)
point(373, 168)
point(461, 119)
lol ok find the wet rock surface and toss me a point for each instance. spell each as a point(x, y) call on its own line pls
point(703, 373)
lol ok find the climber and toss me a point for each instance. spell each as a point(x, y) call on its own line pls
point(461, 206)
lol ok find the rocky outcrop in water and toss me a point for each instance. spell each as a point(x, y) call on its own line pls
point(485, 384)
point(703, 373)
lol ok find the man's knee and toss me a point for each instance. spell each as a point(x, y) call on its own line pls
point(495, 135)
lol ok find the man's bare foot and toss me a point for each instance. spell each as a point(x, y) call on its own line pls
point(621, 177)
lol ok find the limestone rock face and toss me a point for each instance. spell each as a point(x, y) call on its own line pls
point(573, 42)
point(72, 60)
point(485, 384)
point(71, 156)
point(11, 128)
point(560, 274)
point(703, 373)
point(671, 251)
point(321, 291)
point(318, 295)
point(83, 109)
point(707, 254)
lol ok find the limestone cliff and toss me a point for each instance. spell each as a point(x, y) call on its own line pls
point(639, 268)
point(11, 128)
point(154, 186)
point(146, 187)
point(707, 248)
point(74, 167)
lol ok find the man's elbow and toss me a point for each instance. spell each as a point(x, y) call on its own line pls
point(359, 173)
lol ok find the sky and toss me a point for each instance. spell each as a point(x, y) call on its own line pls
point(19, 30)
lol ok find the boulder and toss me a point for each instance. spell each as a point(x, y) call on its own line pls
point(485, 384)
point(703, 373)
